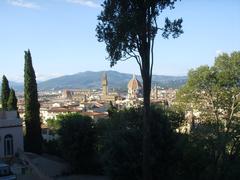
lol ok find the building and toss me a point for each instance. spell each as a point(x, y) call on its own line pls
point(11, 134)
point(66, 94)
point(104, 85)
point(135, 88)
point(105, 95)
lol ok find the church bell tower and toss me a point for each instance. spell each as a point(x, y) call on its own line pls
point(104, 84)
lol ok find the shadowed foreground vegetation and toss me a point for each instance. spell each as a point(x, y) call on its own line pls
point(113, 147)
point(209, 150)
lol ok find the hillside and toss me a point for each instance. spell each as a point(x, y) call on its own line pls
point(90, 79)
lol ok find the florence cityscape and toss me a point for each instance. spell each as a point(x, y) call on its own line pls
point(119, 89)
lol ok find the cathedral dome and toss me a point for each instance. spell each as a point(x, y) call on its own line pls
point(134, 84)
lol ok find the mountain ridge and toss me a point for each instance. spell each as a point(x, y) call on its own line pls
point(92, 79)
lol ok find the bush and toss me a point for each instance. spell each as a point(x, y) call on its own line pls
point(51, 147)
point(120, 144)
point(77, 139)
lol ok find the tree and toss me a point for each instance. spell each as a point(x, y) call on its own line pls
point(77, 141)
point(213, 94)
point(214, 91)
point(5, 92)
point(12, 101)
point(129, 27)
point(112, 109)
point(33, 139)
point(120, 144)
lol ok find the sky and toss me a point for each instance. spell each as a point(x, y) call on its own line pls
point(62, 38)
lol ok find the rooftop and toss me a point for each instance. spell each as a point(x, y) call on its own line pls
point(9, 118)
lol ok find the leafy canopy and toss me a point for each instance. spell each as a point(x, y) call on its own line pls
point(12, 101)
point(5, 92)
point(214, 91)
point(128, 27)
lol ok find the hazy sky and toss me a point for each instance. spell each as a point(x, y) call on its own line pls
point(62, 39)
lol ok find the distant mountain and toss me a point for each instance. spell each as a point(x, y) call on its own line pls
point(90, 79)
point(15, 85)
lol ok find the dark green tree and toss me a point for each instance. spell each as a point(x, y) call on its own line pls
point(212, 95)
point(112, 109)
point(5, 92)
point(33, 139)
point(119, 142)
point(129, 28)
point(77, 141)
point(12, 101)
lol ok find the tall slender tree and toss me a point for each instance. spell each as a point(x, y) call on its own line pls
point(129, 28)
point(12, 101)
point(5, 92)
point(33, 140)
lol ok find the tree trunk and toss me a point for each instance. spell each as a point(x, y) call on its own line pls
point(147, 173)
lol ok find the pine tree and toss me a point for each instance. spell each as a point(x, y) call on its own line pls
point(33, 140)
point(5, 92)
point(12, 101)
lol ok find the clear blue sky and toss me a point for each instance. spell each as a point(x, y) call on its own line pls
point(61, 37)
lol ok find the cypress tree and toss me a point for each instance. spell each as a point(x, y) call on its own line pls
point(33, 139)
point(5, 92)
point(12, 101)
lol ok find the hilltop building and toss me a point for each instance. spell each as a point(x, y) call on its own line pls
point(11, 134)
point(135, 88)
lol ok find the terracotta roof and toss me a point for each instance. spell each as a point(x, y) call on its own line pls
point(63, 110)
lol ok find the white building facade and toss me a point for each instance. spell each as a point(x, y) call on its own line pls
point(11, 134)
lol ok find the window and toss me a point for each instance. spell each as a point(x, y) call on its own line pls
point(8, 145)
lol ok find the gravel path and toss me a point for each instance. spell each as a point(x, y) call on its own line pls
point(53, 167)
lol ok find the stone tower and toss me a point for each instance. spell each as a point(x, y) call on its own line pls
point(104, 84)
point(155, 92)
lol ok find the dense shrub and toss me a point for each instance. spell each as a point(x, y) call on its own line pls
point(77, 139)
point(114, 146)
point(120, 144)
point(52, 147)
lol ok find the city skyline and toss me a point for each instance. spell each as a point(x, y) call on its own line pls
point(61, 37)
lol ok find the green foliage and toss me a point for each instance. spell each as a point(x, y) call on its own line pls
point(212, 94)
point(129, 28)
point(206, 155)
point(120, 144)
point(54, 124)
point(8, 97)
point(5, 92)
point(52, 147)
point(125, 26)
point(112, 109)
point(33, 139)
point(12, 101)
point(214, 91)
point(77, 141)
